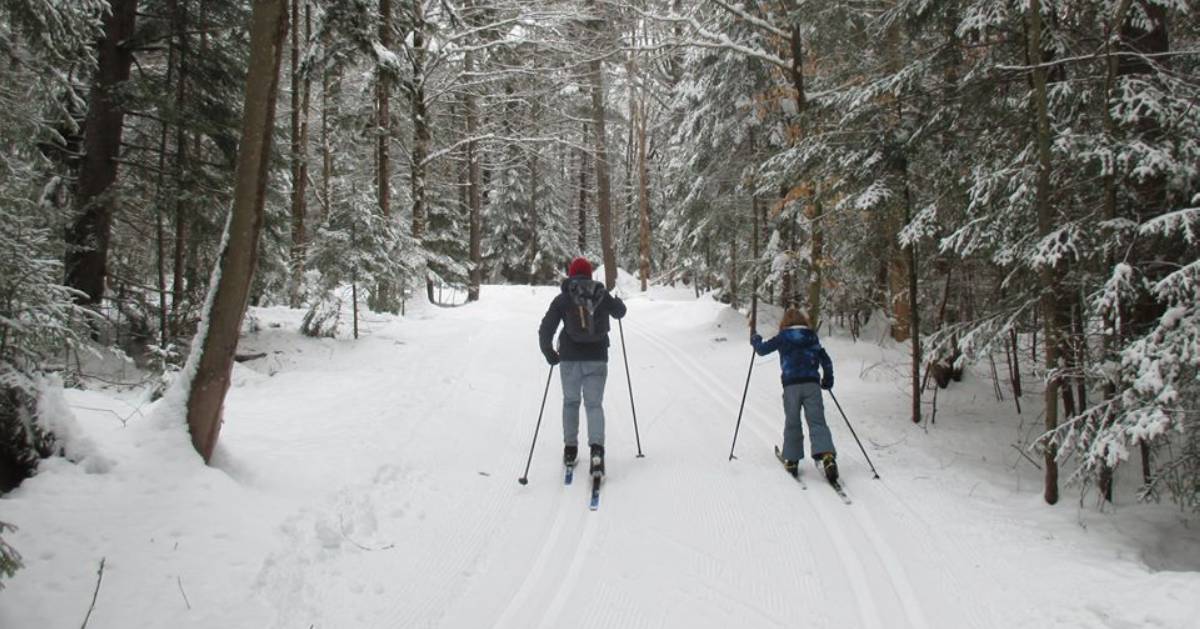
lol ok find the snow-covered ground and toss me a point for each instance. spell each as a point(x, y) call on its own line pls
point(372, 483)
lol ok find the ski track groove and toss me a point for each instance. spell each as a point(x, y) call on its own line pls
point(466, 548)
point(900, 584)
point(731, 523)
point(537, 571)
point(895, 570)
point(568, 583)
point(812, 586)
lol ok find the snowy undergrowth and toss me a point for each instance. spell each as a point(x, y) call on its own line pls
point(371, 483)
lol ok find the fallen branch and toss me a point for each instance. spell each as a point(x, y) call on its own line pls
point(99, 578)
point(179, 580)
point(241, 358)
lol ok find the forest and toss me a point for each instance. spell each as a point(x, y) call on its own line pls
point(1010, 185)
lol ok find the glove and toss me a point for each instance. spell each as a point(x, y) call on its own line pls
point(551, 356)
point(755, 339)
point(827, 382)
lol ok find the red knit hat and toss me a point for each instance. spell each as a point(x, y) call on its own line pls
point(579, 266)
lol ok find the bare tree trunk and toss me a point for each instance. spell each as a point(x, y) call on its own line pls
point(235, 268)
point(914, 303)
point(733, 271)
point(382, 297)
point(603, 186)
point(813, 212)
point(300, 89)
point(474, 183)
point(160, 228)
point(1047, 274)
point(329, 89)
point(422, 136)
point(183, 214)
point(534, 182)
point(89, 234)
point(583, 187)
point(754, 252)
point(643, 199)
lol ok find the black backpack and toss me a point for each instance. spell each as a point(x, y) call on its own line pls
point(579, 321)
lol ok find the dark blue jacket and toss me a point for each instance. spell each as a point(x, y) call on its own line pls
point(800, 353)
point(568, 349)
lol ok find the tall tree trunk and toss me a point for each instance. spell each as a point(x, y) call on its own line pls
point(300, 89)
point(531, 262)
point(584, 167)
point(474, 183)
point(382, 298)
point(89, 234)
point(1047, 274)
point(184, 216)
point(733, 271)
point(754, 252)
point(329, 89)
point(422, 136)
point(235, 272)
point(603, 186)
point(160, 227)
point(814, 213)
point(914, 302)
point(643, 198)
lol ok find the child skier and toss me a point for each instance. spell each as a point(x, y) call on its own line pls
point(800, 353)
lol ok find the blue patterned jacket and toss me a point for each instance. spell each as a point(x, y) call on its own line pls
point(800, 354)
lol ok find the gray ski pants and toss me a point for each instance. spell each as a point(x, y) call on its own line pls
point(583, 380)
point(806, 396)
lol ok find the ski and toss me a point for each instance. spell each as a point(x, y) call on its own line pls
point(570, 476)
point(837, 487)
point(779, 455)
point(836, 484)
point(595, 503)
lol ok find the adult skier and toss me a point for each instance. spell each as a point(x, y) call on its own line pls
point(800, 353)
point(583, 307)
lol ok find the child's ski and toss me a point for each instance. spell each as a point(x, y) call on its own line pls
point(779, 455)
point(570, 476)
point(837, 486)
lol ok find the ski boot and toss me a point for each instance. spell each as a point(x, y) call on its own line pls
point(792, 467)
point(569, 454)
point(597, 461)
point(829, 465)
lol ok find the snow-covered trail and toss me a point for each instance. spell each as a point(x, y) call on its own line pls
point(441, 419)
point(373, 483)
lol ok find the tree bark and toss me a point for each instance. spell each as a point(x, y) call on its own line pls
point(88, 236)
point(814, 213)
point(382, 298)
point(583, 188)
point(422, 136)
point(1047, 274)
point(239, 257)
point(603, 185)
point(644, 239)
point(300, 89)
point(474, 183)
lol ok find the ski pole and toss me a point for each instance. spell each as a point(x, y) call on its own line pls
point(860, 445)
point(745, 390)
point(524, 480)
point(629, 383)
